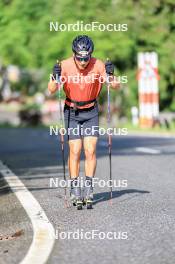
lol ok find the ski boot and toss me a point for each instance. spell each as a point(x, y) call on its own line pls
point(88, 193)
point(75, 194)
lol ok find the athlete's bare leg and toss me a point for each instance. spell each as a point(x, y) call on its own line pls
point(90, 155)
point(75, 147)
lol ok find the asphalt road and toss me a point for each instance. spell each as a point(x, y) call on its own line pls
point(142, 213)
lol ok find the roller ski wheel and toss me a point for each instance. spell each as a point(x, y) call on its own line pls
point(84, 202)
point(89, 204)
point(79, 205)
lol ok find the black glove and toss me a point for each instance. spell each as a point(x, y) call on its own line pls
point(57, 71)
point(109, 66)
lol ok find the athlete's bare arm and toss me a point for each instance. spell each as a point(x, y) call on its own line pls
point(52, 87)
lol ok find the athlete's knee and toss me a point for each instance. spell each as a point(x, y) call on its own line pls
point(90, 152)
point(75, 152)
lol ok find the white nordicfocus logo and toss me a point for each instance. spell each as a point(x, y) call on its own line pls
point(93, 26)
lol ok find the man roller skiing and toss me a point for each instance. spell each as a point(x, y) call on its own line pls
point(83, 77)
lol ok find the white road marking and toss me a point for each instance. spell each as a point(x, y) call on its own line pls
point(43, 231)
point(148, 150)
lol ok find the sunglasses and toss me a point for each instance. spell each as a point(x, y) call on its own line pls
point(82, 59)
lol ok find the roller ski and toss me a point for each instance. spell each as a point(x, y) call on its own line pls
point(75, 194)
point(88, 193)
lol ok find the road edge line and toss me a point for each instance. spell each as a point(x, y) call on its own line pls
point(43, 231)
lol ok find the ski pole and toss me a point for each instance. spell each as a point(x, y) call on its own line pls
point(62, 139)
point(109, 136)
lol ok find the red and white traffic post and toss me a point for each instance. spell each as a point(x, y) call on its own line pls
point(148, 78)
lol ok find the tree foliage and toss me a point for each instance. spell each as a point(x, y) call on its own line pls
point(25, 39)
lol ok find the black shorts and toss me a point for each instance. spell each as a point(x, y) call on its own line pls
point(81, 122)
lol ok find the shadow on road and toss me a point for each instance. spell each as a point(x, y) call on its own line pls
point(40, 149)
point(4, 188)
point(105, 196)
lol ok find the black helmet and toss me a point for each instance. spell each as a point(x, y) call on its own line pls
point(82, 46)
